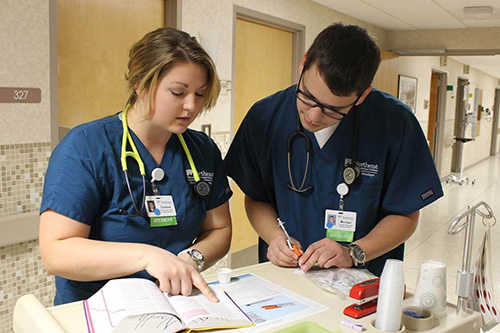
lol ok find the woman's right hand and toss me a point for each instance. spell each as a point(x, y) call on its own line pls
point(174, 275)
point(280, 254)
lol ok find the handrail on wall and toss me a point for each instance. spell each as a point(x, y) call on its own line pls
point(465, 276)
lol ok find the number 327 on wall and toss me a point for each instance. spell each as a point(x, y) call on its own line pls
point(20, 95)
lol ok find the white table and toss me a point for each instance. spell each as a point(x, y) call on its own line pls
point(31, 316)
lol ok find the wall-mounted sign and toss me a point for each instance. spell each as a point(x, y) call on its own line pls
point(20, 95)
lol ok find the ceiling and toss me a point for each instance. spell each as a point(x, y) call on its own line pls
point(425, 15)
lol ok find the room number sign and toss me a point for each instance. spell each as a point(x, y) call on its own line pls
point(20, 95)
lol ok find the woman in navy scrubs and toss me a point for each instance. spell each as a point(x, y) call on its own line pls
point(95, 224)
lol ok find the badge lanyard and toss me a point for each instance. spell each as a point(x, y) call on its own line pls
point(340, 225)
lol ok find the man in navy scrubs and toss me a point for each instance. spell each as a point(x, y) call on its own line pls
point(332, 145)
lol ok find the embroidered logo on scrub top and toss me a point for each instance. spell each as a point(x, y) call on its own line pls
point(427, 194)
point(366, 169)
point(204, 175)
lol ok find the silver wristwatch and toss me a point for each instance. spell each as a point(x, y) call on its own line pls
point(357, 254)
point(196, 256)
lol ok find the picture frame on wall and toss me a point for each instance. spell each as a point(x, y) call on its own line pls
point(407, 91)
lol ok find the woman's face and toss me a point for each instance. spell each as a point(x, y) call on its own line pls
point(179, 97)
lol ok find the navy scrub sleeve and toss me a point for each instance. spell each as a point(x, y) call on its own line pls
point(85, 182)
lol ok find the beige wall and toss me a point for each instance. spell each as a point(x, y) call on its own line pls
point(24, 62)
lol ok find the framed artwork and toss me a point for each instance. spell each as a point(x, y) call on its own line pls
point(407, 91)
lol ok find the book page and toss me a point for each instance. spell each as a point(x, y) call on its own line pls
point(267, 304)
point(131, 305)
point(198, 312)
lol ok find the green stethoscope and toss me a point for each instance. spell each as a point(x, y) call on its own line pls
point(201, 188)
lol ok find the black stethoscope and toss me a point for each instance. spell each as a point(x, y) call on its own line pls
point(350, 172)
point(201, 188)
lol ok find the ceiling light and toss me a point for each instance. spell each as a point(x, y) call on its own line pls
point(478, 12)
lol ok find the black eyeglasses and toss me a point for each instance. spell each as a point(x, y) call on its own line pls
point(312, 102)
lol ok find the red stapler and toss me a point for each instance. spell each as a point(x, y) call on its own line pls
point(365, 295)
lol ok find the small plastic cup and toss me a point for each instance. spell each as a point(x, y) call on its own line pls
point(224, 275)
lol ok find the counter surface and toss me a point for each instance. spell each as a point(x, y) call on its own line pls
point(71, 316)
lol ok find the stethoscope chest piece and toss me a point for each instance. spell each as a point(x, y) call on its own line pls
point(350, 173)
point(201, 188)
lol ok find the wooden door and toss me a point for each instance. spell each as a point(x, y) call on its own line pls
point(263, 65)
point(386, 78)
point(94, 37)
point(433, 110)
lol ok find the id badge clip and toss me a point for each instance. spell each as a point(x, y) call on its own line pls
point(161, 210)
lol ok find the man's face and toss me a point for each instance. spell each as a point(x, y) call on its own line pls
point(318, 107)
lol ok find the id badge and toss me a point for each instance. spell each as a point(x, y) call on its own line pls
point(161, 210)
point(340, 225)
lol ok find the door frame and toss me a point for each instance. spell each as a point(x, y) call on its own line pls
point(173, 13)
point(494, 129)
point(441, 119)
point(298, 43)
point(460, 127)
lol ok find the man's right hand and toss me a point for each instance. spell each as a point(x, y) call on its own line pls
point(280, 254)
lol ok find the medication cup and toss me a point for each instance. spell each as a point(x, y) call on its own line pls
point(224, 275)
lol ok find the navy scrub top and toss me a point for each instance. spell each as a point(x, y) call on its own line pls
point(398, 175)
point(85, 182)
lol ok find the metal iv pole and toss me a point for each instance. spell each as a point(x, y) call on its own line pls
point(465, 277)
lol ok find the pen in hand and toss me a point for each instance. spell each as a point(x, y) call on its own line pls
point(289, 242)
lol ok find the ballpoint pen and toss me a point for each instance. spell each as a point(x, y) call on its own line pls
point(289, 242)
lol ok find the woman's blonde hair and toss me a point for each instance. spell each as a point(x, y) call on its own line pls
point(156, 53)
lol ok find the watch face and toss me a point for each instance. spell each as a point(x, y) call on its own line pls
point(197, 255)
point(358, 253)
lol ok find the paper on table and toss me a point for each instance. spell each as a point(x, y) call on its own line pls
point(267, 304)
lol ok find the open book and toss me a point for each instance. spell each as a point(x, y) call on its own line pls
point(138, 305)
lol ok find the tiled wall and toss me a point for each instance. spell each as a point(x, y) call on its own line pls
point(22, 168)
point(22, 273)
